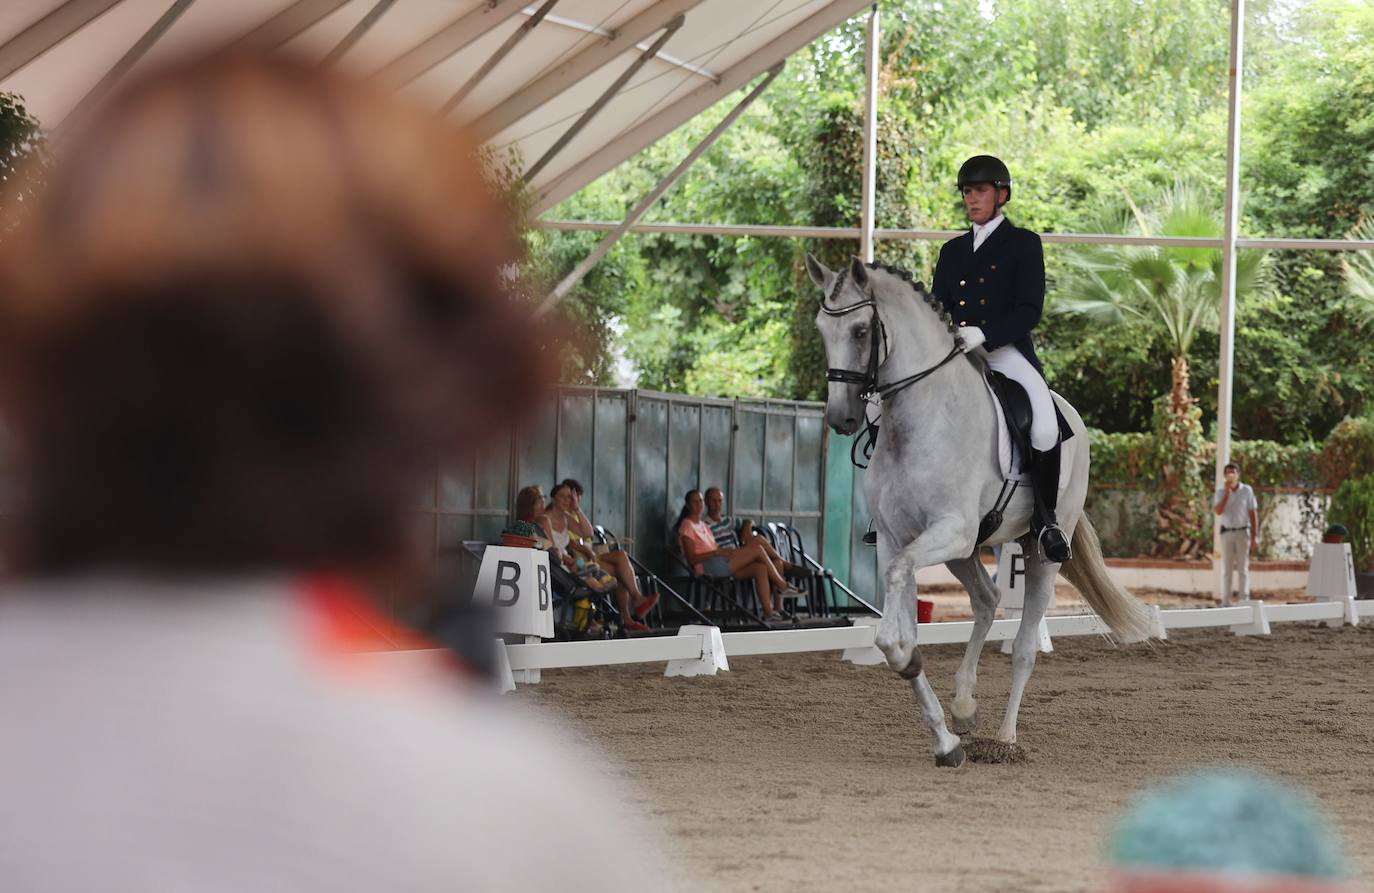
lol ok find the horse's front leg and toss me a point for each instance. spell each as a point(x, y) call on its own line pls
point(896, 634)
point(983, 595)
point(1039, 588)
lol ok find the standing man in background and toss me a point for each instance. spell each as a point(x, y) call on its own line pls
point(1238, 514)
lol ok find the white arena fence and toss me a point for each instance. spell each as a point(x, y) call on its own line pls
point(705, 650)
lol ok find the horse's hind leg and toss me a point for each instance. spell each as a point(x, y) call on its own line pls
point(983, 596)
point(1039, 588)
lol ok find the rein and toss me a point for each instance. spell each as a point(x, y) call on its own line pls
point(868, 379)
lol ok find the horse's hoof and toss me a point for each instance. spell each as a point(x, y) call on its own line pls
point(952, 760)
point(964, 725)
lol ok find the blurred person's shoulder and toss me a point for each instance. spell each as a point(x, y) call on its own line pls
point(234, 749)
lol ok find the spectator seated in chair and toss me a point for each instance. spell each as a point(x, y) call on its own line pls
point(562, 524)
point(530, 530)
point(733, 532)
point(751, 562)
point(527, 529)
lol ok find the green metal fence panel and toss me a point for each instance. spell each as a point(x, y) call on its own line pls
point(651, 481)
point(451, 530)
point(684, 451)
point(638, 452)
point(577, 440)
point(716, 424)
point(747, 500)
point(808, 466)
point(538, 453)
point(456, 488)
point(778, 458)
point(608, 489)
point(493, 476)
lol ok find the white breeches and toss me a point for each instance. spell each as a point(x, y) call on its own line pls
point(1009, 361)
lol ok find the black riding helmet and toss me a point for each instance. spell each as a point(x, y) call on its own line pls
point(985, 169)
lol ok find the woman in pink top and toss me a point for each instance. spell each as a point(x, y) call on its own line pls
point(749, 562)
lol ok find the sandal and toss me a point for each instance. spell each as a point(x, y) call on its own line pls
point(629, 624)
point(646, 606)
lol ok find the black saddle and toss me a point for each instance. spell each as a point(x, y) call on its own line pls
point(1017, 410)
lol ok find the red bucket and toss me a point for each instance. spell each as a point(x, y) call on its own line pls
point(925, 611)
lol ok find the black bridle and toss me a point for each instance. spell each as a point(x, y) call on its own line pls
point(877, 333)
point(868, 379)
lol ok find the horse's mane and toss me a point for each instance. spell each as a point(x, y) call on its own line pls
point(919, 287)
point(977, 357)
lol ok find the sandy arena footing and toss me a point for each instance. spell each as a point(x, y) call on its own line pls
point(800, 772)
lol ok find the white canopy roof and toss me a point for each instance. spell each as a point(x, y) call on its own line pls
point(535, 83)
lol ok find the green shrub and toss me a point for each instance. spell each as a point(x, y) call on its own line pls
point(1353, 506)
point(1349, 451)
point(1123, 458)
point(1264, 463)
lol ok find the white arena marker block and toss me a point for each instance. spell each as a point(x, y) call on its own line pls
point(1045, 644)
point(505, 679)
point(1332, 572)
point(1352, 611)
point(528, 677)
point(712, 659)
point(868, 655)
point(1157, 623)
point(1259, 622)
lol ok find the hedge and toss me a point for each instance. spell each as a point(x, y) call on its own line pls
point(1126, 459)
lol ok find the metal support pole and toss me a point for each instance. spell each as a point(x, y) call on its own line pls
point(1228, 261)
point(352, 37)
point(131, 57)
point(290, 23)
point(582, 269)
point(501, 52)
point(604, 98)
point(867, 206)
point(46, 33)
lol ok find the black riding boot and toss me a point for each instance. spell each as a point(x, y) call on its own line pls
point(1054, 545)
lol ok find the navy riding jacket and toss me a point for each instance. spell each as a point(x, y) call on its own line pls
point(1000, 288)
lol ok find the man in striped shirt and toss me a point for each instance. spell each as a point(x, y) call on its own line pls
point(731, 533)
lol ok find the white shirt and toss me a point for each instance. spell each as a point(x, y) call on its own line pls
point(981, 231)
point(1238, 507)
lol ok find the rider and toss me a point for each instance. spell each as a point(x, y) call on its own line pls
point(991, 279)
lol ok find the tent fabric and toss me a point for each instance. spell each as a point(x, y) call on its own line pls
point(54, 53)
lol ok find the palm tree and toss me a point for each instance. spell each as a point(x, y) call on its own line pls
point(1358, 269)
point(1176, 291)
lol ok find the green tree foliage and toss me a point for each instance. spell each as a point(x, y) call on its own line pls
point(1309, 137)
point(1095, 103)
point(22, 148)
point(1353, 506)
point(834, 164)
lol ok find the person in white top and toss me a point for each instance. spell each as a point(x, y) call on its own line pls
point(1238, 517)
point(247, 317)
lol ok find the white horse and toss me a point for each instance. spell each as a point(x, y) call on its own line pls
point(935, 474)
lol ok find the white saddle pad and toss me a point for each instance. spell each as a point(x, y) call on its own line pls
point(1009, 459)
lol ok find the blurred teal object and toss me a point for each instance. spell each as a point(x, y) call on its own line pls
point(1232, 822)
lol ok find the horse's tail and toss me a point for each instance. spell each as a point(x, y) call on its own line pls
point(1129, 619)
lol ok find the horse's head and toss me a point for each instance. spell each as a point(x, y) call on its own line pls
point(849, 338)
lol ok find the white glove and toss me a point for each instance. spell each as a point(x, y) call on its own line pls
point(970, 337)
